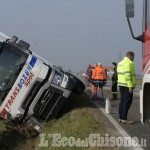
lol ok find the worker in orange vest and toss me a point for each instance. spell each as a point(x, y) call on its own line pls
point(92, 87)
point(99, 80)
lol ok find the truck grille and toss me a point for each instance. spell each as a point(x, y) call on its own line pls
point(46, 103)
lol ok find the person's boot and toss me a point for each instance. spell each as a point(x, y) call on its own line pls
point(114, 97)
point(94, 98)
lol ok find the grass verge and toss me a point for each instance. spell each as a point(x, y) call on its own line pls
point(79, 120)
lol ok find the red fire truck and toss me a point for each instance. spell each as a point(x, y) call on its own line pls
point(145, 39)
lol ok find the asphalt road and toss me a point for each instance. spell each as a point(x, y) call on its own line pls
point(137, 129)
point(142, 132)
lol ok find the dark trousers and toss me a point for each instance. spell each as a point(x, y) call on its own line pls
point(114, 91)
point(125, 102)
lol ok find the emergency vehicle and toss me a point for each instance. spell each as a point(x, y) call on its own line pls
point(145, 39)
point(32, 90)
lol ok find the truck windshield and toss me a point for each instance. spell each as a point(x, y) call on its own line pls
point(12, 61)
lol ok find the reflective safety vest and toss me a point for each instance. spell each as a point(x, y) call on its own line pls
point(99, 74)
point(126, 73)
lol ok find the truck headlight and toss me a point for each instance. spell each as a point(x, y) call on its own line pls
point(57, 78)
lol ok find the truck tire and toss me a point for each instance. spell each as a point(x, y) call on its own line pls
point(79, 86)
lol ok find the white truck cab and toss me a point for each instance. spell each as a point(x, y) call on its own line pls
point(31, 89)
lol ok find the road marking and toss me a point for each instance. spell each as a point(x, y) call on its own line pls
point(117, 126)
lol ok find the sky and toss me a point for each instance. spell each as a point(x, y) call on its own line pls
point(74, 33)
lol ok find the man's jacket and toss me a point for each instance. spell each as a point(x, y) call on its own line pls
point(99, 74)
point(115, 77)
point(126, 73)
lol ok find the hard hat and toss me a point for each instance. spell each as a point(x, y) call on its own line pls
point(99, 64)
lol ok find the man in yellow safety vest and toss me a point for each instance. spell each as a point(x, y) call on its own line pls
point(126, 83)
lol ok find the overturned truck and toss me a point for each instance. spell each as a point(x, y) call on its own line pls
point(32, 90)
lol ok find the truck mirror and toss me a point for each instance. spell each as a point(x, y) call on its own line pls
point(13, 39)
point(24, 44)
point(129, 8)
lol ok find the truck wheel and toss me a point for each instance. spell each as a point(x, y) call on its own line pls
point(79, 86)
